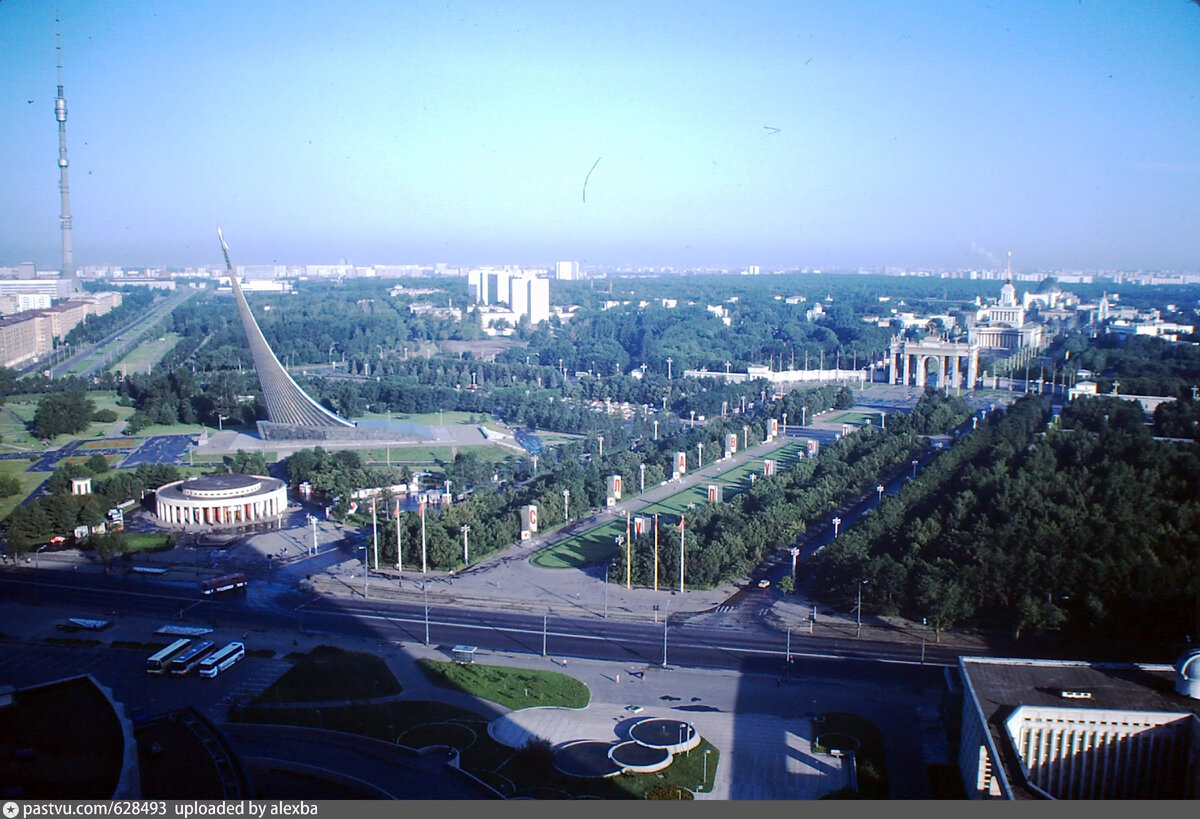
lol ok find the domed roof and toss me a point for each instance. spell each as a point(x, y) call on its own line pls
point(1187, 673)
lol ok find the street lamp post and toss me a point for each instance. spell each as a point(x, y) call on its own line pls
point(607, 566)
point(375, 533)
point(858, 610)
point(795, 553)
point(914, 466)
point(785, 425)
point(669, 360)
point(879, 489)
point(601, 438)
point(707, 751)
point(466, 558)
point(699, 456)
point(566, 500)
point(836, 523)
point(656, 430)
point(221, 421)
point(693, 421)
point(425, 597)
point(642, 472)
point(545, 620)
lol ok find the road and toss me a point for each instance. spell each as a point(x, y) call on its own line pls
point(682, 640)
point(123, 340)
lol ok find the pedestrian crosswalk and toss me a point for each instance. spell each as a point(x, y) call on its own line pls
point(725, 609)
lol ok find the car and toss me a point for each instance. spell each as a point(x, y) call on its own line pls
point(634, 709)
point(764, 583)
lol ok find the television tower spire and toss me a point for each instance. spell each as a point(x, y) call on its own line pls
point(60, 114)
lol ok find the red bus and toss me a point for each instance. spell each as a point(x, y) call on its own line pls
point(229, 582)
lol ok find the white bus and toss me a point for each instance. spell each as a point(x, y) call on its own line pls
point(215, 663)
point(192, 657)
point(160, 660)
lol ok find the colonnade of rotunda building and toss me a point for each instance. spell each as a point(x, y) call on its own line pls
point(220, 500)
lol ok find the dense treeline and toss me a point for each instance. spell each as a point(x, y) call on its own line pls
point(724, 541)
point(1088, 527)
point(59, 512)
point(1142, 365)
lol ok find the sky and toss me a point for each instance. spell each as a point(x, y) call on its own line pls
point(795, 134)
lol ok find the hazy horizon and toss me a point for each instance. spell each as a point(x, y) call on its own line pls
point(784, 135)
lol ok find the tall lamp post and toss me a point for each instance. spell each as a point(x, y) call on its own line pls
point(795, 553)
point(466, 559)
point(425, 596)
point(607, 566)
point(669, 360)
point(545, 620)
point(914, 466)
point(858, 610)
point(836, 523)
point(699, 456)
point(566, 500)
point(601, 439)
point(879, 489)
point(628, 554)
point(642, 472)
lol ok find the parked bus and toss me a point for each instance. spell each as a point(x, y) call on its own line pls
point(160, 660)
point(215, 663)
point(192, 657)
point(229, 582)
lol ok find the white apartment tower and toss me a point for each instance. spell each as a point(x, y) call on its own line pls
point(567, 271)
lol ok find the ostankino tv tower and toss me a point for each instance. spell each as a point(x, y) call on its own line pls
point(60, 114)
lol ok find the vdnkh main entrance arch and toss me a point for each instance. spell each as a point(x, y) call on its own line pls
point(910, 361)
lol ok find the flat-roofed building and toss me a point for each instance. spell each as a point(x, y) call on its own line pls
point(1054, 729)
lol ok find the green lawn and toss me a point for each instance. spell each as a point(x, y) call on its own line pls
point(329, 673)
point(435, 419)
point(525, 773)
point(511, 687)
point(29, 482)
point(872, 775)
point(591, 548)
point(857, 418)
point(146, 354)
point(146, 541)
point(488, 453)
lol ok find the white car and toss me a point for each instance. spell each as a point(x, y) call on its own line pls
point(764, 583)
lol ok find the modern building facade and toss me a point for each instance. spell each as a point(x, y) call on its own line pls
point(1052, 729)
point(220, 500)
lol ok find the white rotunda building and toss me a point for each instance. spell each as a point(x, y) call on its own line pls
point(220, 500)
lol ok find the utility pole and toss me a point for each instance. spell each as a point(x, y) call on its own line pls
point(681, 554)
point(858, 610)
point(399, 553)
point(375, 534)
point(628, 554)
point(656, 551)
point(421, 512)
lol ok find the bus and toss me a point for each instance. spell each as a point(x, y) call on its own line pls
point(218, 661)
point(192, 657)
point(229, 582)
point(158, 662)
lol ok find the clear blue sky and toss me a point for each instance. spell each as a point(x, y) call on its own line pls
point(923, 134)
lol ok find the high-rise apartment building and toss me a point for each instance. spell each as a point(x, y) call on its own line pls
point(567, 271)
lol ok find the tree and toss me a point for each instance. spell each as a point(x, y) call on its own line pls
point(844, 399)
point(97, 464)
point(9, 485)
point(786, 584)
point(63, 413)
